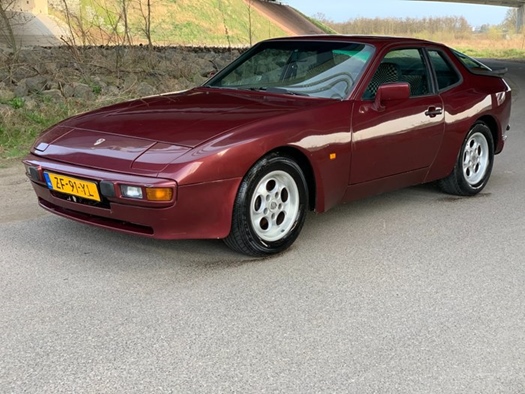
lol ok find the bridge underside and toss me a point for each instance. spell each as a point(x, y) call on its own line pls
point(502, 3)
point(519, 4)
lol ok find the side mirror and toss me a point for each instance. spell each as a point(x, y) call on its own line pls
point(391, 92)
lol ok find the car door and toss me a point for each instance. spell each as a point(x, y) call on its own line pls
point(403, 136)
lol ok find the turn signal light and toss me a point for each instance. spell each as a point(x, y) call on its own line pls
point(159, 193)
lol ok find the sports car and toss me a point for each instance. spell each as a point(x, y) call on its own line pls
point(294, 124)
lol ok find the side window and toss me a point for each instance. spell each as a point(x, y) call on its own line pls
point(401, 65)
point(446, 74)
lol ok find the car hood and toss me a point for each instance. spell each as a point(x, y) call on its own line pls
point(189, 118)
point(118, 137)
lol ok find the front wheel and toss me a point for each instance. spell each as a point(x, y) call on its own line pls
point(474, 164)
point(270, 207)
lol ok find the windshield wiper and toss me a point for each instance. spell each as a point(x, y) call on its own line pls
point(272, 89)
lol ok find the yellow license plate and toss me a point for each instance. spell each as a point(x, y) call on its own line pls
point(72, 186)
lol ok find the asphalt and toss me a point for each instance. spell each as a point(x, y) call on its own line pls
point(409, 292)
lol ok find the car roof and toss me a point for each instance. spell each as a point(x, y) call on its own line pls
point(377, 41)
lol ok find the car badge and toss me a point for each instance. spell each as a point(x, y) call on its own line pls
point(99, 141)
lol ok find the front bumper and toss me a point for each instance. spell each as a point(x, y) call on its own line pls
point(199, 210)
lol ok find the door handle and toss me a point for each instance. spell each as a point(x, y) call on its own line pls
point(433, 111)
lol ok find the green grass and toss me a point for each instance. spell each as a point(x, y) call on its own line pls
point(22, 125)
point(321, 25)
point(493, 53)
point(180, 22)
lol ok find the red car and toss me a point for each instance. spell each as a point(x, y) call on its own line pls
point(294, 124)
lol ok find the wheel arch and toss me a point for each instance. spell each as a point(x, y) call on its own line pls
point(451, 146)
point(304, 163)
point(492, 124)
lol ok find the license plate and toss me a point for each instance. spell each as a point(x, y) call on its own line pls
point(72, 186)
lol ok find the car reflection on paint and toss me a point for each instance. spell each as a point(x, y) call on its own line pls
point(294, 124)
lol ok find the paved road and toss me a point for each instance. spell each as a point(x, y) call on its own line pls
point(409, 292)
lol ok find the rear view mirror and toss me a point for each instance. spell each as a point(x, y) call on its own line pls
point(391, 92)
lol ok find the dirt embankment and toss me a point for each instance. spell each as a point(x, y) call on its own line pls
point(286, 17)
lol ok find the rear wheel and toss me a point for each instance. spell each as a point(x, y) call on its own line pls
point(270, 207)
point(474, 164)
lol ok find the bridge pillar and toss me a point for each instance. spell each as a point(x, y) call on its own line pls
point(519, 18)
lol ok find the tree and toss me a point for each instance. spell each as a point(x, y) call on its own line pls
point(511, 19)
point(124, 15)
point(145, 11)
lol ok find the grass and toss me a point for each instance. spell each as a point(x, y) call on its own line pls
point(22, 123)
point(491, 53)
point(320, 25)
point(483, 47)
point(181, 22)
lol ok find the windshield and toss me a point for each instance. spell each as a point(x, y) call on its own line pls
point(317, 69)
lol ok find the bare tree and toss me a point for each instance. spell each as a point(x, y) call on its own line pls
point(145, 11)
point(250, 20)
point(457, 26)
point(112, 16)
point(124, 16)
point(511, 19)
point(70, 22)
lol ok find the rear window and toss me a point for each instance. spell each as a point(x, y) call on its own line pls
point(446, 74)
point(471, 64)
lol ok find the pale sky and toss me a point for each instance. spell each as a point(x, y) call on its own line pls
point(341, 11)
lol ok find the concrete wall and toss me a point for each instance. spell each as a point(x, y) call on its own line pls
point(32, 25)
point(37, 7)
point(38, 29)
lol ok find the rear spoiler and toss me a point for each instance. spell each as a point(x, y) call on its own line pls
point(495, 72)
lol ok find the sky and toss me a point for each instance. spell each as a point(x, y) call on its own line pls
point(341, 11)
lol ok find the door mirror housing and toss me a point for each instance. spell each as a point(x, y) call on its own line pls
point(391, 92)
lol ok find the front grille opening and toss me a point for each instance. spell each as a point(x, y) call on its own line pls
point(98, 220)
point(79, 200)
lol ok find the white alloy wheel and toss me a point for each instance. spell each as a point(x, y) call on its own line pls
point(473, 164)
point(475, 158)
point(274, 206)
point(270, 207)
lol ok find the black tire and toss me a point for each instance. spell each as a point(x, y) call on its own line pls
point(270, 207)
point(473, 165)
